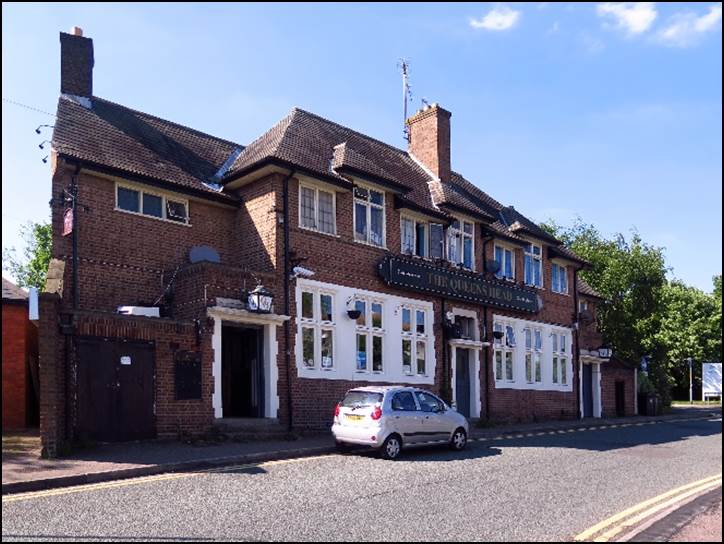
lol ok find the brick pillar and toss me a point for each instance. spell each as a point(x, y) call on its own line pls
point(51, 354)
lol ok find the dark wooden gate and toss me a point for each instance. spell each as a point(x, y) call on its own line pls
point(115, 388)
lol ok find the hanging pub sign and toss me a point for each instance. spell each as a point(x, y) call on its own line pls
point(461, 285)
point(67, 221)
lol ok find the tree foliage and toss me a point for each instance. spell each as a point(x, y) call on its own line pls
point(31, 269)
point(644, 313)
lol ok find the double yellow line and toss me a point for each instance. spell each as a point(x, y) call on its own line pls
point(631, 517)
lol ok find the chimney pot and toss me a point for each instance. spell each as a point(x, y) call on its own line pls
point(76, 31)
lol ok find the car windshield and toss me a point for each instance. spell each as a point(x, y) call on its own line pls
point(361, 399)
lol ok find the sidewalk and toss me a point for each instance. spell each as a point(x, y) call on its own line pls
point(23, 470)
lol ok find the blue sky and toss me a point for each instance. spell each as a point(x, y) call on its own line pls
point(611, 112)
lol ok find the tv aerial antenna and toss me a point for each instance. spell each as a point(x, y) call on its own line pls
point(404, 66)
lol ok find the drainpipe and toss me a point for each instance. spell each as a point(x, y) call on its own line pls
point(287, 354)
point(577, 352)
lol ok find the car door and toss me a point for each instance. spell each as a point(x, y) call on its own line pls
point(406, 418)
point(434, 423)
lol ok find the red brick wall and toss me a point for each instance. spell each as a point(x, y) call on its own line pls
point(590, 336)
point(15, 378)
point(611, 372)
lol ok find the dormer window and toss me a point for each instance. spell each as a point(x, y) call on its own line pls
point(506, 262)
point(369, 216)
point(559, 279)
point(460, 243)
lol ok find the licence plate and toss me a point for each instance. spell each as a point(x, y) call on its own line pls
point(354, 418)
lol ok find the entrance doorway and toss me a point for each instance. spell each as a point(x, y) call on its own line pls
point(462, 381)
point(242, 371)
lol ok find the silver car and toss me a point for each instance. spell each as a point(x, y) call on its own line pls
point(390, 418)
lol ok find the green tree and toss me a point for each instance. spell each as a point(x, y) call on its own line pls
point(31, 269)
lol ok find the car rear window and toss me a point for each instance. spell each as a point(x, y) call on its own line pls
point(360, 399)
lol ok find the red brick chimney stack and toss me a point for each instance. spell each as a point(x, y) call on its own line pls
point(430, 139)
point(76, 63)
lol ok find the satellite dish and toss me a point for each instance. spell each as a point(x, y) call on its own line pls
point(492, 266)
point(199, 254)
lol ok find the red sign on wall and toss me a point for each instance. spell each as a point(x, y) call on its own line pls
point(68, 221)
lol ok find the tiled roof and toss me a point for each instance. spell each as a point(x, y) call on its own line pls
point(517, 222)
point(445, 194)
point(12, 292)
point(308, 141)
point(113, 136)
point(584, 289)
point(346, 159)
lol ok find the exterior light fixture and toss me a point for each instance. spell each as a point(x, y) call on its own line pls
point(260, 300)
point(498, 335)
point(604, 352)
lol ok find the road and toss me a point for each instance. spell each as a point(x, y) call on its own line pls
point(548, 487)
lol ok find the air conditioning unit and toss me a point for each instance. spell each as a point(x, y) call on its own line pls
point(147, 311)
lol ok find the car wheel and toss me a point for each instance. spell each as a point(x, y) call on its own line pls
point(391, 447)
point(459, 439)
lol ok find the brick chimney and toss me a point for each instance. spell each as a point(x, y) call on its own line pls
point(76, 63)
point(429, 132)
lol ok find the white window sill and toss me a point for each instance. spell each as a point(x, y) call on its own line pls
point(370, 244)
point(317, 231)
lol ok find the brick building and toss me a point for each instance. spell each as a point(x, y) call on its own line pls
point(385, 266)
point(20, 360)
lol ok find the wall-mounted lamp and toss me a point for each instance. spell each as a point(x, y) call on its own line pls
point(42, 144)
point(37, 130)
point(45, 159)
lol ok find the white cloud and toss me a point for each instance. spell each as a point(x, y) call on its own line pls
point(632, 17)
point(498, 18)
point(685, 29)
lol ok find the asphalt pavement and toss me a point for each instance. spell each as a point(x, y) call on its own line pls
point(546, 487)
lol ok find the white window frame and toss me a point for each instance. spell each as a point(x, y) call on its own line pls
point(317, 190)
point(501, 273)
point(318, 325)
point(452, 231)
point(555, 287)
point(535, 258)
point(562, 340)
point(368, 210)
point(163, 195)
point(414, 338)
point(370, 332)
point(504, 348)
point(415, 223)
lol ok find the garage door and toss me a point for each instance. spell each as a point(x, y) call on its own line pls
point(115, 389)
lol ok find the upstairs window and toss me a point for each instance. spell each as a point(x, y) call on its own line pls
point(369, 216)
point(436, 241)
point(506, 261)
point(316, 209)
point(414, 236)
point(533, 266)
point(559, 279)
point(460, 243)
point(151, 204)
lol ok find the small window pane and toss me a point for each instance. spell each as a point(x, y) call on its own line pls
point(563, 343)
point(497, 327)
point(376, 228)
point(308, 347)
point(468, 252)
point(327, 349)
point(528, 339)
point(510, 336)
point(498, 365)
point(407, 355)
point(307, 305)
point(564, 370)
point(408, 236)
point(555, 369)
point(500, 260)
point(554, 279)
point(509, 365)
point(536, 358)
point(420, 240)
point(361, 352)
point(326, 212)
point(377, 315)
point(326, 307)
point(152, 205)
point(509, 264)
point(176, 211)
point(538, 341)
point(436, 237)
point(360, 222)
point(128, 199)
point(528, 367)
point(361, 306)
point(377, 353)
point(420, 357)
point(555, 342)
point(361, 193)
point(308, 213)
point(406, 320)
point(377, 198)
point(467, 227)
point(420, 322)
